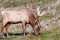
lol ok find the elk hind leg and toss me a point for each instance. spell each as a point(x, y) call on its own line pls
point(6, 29)
point(3, 25)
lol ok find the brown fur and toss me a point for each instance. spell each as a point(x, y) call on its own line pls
point(32, 18)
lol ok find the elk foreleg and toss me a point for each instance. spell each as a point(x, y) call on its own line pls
point(23, 26)
point(35, 31)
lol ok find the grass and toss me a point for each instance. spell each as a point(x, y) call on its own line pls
point(46, 17)
point(13, 3)
point(44, 35)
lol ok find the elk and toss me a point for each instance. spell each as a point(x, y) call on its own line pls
point(20, 15)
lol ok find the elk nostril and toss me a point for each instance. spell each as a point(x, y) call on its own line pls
point(38, 29)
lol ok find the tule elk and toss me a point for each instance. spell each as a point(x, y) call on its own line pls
point(20, 15)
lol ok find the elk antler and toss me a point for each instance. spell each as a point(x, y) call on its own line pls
point(39, 12)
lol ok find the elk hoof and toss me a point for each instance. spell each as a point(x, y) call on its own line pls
point(36, 34)
point(7, 36)
point(2, 35)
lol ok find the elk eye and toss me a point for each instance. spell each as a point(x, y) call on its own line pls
point(36, 22)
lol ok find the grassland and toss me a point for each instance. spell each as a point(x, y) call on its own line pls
point(53, 34)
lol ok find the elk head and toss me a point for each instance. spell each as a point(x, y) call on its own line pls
point(38, 22)
point(38, 25)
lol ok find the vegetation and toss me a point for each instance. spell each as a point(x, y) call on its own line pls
point(13, 3)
